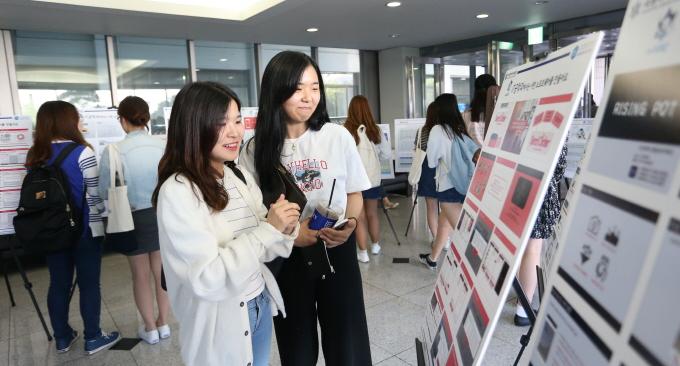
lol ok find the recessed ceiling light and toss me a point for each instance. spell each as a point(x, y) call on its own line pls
point(393, 4)
point(395, 35)
point(156, 82)
point(415, 68)
point(224, 59)
point(541, 2)
point(312, 30)
point(482, 16)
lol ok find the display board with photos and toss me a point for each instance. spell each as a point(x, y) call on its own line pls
point(386, 166)
point(405, 132)
point(613, 295)
point(521, 149)
point(16, 138)
point(101, 128)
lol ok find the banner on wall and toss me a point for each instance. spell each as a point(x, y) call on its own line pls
point(612, 295)
point(16, 138)
point(386, 166)
point(405, 131)
point(101, 127)
point(525, 137)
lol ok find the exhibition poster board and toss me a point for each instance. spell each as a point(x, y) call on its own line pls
point(613, 295)
point(101, 127)
point(577, 138)
point(16, 138)
point(386, 166)
point(249, 118)
point(527, 131)
point(405, 131)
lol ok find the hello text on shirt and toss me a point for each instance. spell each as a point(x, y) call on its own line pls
point(307, 173)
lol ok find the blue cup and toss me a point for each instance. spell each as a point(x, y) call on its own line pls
point(324, 216)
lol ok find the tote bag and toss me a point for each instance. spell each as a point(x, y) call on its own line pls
point(369, 157)
point(417, 164)
point(120, 226)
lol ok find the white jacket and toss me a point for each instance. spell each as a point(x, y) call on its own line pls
point(207, 269)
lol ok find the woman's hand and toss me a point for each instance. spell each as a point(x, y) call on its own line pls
point(334, 237)
point(282, 214)
point(306, 236)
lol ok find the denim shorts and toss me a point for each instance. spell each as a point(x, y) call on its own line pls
point(374, 193)
point(450, 196)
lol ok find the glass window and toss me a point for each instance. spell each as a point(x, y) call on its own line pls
point(154, 70)
point(270, 50)
point(56, 66)
point(457, 81)
point(340, 69)
point(232, 64)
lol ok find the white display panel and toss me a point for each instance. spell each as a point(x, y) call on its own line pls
point(16, 138)
point(101, 128)
point(386, 166)
point(617, 263)
point(405, 131)
point(522, 146)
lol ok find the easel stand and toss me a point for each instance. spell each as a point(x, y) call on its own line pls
point(410, 217)
point(389, 221)
point(27, 284)
point(526, 304)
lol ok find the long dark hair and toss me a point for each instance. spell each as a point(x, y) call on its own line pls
point(56, 120)
point(478, 104)
point(359, 113)
point(279, 82)
point(431, 116)
point(195, 121)
point(135, 110)
point(449, 116)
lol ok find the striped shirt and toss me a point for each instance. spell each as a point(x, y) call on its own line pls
point(243, 219)
point(424, 135)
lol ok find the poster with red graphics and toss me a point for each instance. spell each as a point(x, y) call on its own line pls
point(612, 295)
point(16, 138)
point(528, 129)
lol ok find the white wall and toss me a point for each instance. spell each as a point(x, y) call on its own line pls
point(393, 89)
point(9, 103)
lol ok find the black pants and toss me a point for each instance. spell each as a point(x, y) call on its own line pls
point(338, 303)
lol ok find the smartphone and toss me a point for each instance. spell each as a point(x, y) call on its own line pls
point(340, 224)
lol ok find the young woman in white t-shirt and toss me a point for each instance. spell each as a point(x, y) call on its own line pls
point(215, 234)
point(475, 116)
point(359, 114)
point(292, 130)
point(449, 122)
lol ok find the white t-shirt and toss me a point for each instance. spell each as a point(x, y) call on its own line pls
point(315, 159)
point(439, 156)
point(474, 128)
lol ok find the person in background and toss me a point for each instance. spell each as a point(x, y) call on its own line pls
point(491, 98)
point(449, 123)
point(215, 233)
point(474, 117)
point(427, 187)
point(140, 154)
point(358, 114)
point(57, 126)
point(292, 129)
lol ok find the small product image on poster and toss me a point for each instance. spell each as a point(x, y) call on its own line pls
point(13, 156)
point(603, 262)
point(519, 125)
point(495, 267)
point(657, 338)
point(471, 329)
point(639, 139)
point(546, 124)
point(441, 344)
point(478, 241)
point(465, 224)
point(499, 182)
point(523, 192)
point(566, 339)
point(481, 175)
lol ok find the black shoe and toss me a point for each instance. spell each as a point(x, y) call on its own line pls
point(522, 321)
point(425, 259)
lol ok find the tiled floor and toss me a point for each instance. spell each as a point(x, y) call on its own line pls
point(395, 296)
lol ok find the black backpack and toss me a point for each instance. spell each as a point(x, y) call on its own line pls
point(47, 221)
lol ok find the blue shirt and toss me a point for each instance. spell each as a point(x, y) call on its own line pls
point(140, 154)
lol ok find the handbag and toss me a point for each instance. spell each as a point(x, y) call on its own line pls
point(120, 225)
point(417, 164)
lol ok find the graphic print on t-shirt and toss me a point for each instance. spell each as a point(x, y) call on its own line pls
point(307, 173)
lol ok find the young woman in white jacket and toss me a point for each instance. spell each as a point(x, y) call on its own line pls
point(215, 234)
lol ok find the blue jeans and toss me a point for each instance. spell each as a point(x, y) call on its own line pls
point(86, 259)
point(260, 314)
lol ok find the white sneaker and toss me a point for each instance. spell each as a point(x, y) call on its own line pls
point(375, 248)
point(362, 256)
point(150, 337)
point(447, 246)
point(164, 331)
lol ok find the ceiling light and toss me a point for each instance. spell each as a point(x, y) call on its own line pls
point(541, 2)
point(393, 4)
point(394, 35)
point(156, 82)
point(312, 30)
point(415, 68)
point(482, 16)
point(224, 59)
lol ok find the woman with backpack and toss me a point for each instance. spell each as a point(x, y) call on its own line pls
point(58, 128)
point(215, 233)
point(449, 131)
point(372, 148)
point(293, 133)
point(140, 153)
